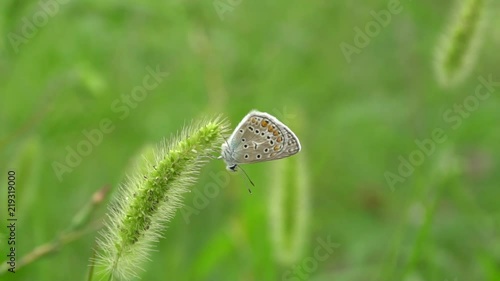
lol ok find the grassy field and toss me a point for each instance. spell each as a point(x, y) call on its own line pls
point(397, 178)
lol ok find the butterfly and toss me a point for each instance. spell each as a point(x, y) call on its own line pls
point(259, 137)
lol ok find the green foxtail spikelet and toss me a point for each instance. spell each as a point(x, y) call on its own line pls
point(459, 46)
point(148, 200)
point(140, 162)
point(289, 207)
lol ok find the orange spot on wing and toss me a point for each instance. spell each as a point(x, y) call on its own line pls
point(275, 132)
point(263, 123)
point(279, 139)
point(276, 148)
point(269, 128)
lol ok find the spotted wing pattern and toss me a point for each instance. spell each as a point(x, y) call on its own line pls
point(261, 137)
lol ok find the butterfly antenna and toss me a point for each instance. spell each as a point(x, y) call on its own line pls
point(251, 182)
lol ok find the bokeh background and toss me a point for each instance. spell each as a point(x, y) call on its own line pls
point(354, 119)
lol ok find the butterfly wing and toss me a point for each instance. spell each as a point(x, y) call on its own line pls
point(261, 137)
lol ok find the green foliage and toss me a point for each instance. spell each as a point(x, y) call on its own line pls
point(439, 223)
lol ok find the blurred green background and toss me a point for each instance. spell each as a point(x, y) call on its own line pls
point(354, 120)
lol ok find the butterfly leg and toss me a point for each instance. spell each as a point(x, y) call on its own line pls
point(214, 157)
